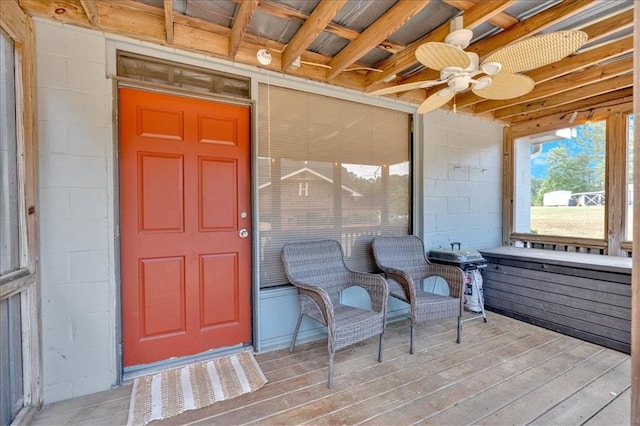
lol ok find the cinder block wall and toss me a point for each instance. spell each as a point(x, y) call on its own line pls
point(76, 226)
point(462, 179)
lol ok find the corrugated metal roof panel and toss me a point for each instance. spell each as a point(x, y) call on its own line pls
point(425, 21)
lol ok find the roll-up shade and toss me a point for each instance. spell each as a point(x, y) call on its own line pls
point(329, 168)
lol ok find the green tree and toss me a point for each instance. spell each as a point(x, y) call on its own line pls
point(577, 165)
point(536, 195)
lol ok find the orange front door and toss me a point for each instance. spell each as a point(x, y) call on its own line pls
point(184, 202)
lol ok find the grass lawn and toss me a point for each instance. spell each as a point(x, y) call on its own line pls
point(584, 222)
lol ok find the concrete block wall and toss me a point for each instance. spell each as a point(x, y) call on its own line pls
point(76, 212)
point(462, 181)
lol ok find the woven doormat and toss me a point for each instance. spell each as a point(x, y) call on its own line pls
point(171, 392)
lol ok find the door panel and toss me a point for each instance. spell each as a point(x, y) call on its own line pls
point(218, 194)
point(161, 184)
point(184, 179)
point(163, 295)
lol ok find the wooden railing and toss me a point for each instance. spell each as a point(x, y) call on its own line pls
point(549, 242)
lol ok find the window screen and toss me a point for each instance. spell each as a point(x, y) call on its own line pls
point(329, 169)
point(9, 188)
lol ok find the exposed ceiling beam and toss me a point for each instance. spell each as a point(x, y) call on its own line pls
point(531, 26)
point(558, 120)
point(610, 98)
point(14, 20)
point(501, 19)
point(168, 20)
point(519, 31)
point(583, 92)
point(91, 10)
point(565, 66)
point(563, 84)
point(240, 24)
point(472, 17)
point(610, 25)
point(321, 16)
point(278, 11)
point(387, 24)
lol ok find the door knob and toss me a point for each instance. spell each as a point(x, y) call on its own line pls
point(243, 233)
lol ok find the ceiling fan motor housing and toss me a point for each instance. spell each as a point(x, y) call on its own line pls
point(459, 82)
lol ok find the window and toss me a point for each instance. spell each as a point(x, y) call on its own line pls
point(629, 193)
point(192, 79)
point(329, 168)
point(560, 182)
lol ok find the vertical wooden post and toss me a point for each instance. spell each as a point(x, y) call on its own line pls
point(508, 184)
point(635, 277)
point(615, 183)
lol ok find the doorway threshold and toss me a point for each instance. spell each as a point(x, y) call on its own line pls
point(130, 373)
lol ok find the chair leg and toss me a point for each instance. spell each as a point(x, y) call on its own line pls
point(295, 333)
point(330, 382)
point(413, 332)
point(380, 348)
point(459, 329)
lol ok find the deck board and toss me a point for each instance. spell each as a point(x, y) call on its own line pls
point(503, 371)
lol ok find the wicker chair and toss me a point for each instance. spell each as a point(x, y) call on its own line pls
point(403, 260)
point(318, 270)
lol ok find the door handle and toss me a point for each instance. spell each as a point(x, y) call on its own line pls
point(243, 233)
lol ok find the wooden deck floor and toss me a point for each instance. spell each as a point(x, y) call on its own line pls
point(503, 372)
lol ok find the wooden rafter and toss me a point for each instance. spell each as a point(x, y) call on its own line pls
point(387, 24)
point(563, 84)
point(400, 61)
point(500, 19)
point(519, 31)
point(606, 99)
point(278, 11)
point(240, 24)
point(168, 20)
point(310, 30)
point(610, 25)
point(568, 65)
point(582, 92)
point(531, 26)
point(559, 121)
point(14, 21)
point(91, 10)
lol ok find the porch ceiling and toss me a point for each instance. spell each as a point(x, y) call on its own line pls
point(362, 44)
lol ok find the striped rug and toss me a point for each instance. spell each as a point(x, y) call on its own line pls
point(171, 392)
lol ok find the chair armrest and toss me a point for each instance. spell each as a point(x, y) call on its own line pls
point(320, 297)
point(375, 285)
point(452, 275)
point(404, 279)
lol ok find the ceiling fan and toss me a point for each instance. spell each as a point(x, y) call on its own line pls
point(497, 76)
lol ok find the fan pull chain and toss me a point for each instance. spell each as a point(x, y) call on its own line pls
point(454, 102)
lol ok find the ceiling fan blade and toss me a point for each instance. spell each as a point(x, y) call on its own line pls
point(436, 100)
point(437, 55)
point(405, 87)
point(506, 86)
point(537, 51)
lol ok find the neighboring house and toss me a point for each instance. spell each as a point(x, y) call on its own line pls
point(297, 207)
